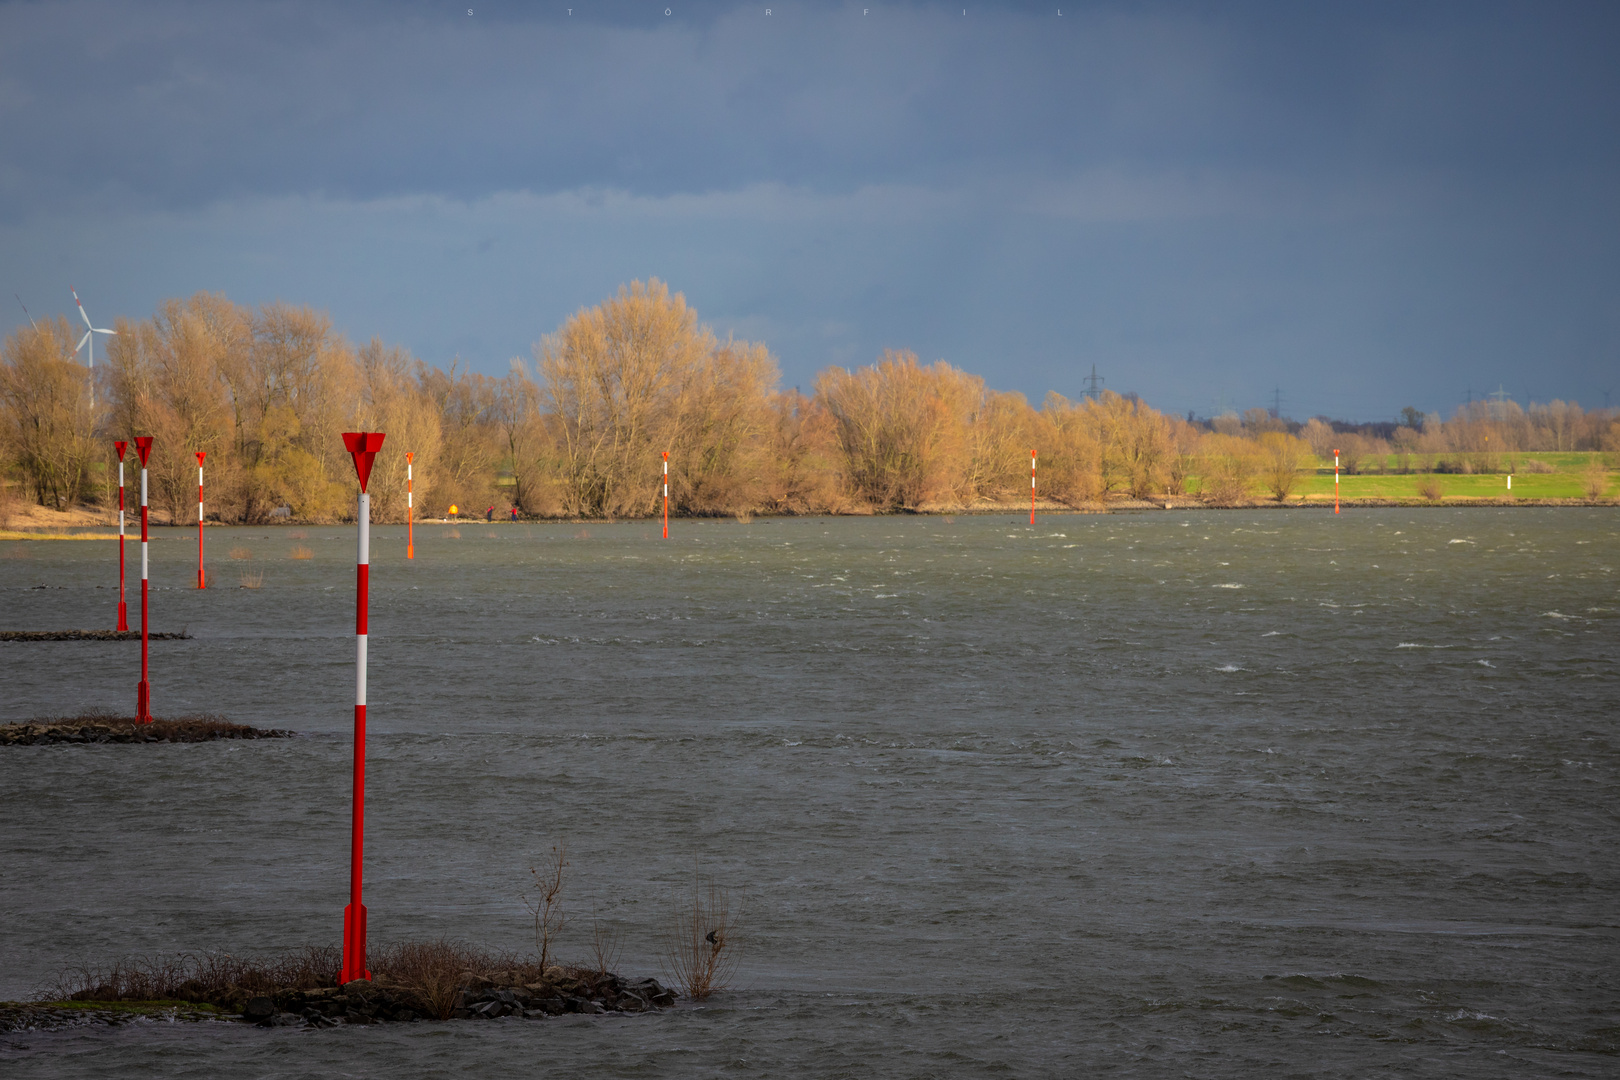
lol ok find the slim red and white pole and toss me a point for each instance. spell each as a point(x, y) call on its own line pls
point(202, 582)
point(410, 512)
point(1032, 487)
point(666, 494)
point(1335, 481)
point(143, 690)
point(123, 611)
point(363, 445)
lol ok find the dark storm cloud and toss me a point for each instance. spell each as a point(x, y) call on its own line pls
point(1201, 194)
point(174, 103)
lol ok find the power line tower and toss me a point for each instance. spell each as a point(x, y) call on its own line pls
point(1499, 402)
point(1276, 404)
point(1094, 382)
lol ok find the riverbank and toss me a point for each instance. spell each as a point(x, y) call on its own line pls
point(88, 523)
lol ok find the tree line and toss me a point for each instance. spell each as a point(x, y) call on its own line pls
point(578, 430)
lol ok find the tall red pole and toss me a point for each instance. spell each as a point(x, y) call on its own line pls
point(410, 512)
point(1032, 487)
point(1335, 481)
point(123, 612)
point(143, 690)
point(666, 494)
point(201, 581)
point(363, 445)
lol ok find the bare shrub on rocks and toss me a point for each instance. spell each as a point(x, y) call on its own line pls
point(605, 945)
point(196, 976)
point(702, 950)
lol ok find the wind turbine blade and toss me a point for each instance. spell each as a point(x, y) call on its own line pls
point(106, 331)
point(82, 340)
point(76, 300)
point(25, 312)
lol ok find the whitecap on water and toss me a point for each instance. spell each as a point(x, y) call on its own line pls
point(1227, 585)
point(1228, 668)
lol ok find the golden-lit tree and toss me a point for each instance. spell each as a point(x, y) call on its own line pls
point(1227, 465)
point(524, 441)
point(45, 409)
point(1002, 430)
point(612, 378)
point(806, 467)
point(1281, 457)
point(720, 443)
point(1135, 443)
point(902, 428)
point(1071, 456)
point(469, 438)
point(164, 381)
point(393, 401)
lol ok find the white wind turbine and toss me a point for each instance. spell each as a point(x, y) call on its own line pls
point(90, 340)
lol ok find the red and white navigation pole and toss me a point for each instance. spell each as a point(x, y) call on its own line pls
point(123, 611)
point(410, 512)
point(1335, 481)
point(363, 445)
point(1032, 487)
point(143, 691)
point(666, 494)
point(201, 581)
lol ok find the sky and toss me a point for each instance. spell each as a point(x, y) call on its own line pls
point(1351, 206)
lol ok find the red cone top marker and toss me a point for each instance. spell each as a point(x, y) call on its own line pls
point(364, 446)
point(143, 448)
point(120, 447)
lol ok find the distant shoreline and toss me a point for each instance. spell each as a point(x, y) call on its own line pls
point(1112, 506)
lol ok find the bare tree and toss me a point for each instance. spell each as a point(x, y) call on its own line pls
point(546, 903)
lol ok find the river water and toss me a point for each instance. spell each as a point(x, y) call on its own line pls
point(1202, 793)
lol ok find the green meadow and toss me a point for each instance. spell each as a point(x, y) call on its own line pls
point(1566, 481)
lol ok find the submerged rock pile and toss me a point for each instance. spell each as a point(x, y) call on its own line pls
point(59, 1016)
point(87, 635)
point(377, 1001)
point(107, 729)
point(478, 997)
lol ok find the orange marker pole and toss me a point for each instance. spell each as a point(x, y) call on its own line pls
point(410, 516)
point(202, 582)
point(1032, 487)
point(1335, 481)
point(666, 494)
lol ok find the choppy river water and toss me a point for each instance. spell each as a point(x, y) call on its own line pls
point(1183, 793)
